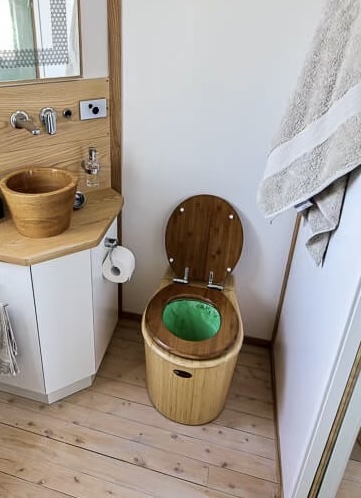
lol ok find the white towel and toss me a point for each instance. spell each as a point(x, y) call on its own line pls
point(8, 348)
point(319, 141)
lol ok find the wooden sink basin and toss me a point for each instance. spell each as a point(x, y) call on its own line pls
point(40, 200)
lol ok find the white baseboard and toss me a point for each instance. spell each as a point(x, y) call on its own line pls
point(50, 397)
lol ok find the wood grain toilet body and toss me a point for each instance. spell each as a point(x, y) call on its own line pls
point(188, 380)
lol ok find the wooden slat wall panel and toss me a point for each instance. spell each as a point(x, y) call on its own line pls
point(59, 157)
point(115, 69)
point(115, 65)
point(68, 147)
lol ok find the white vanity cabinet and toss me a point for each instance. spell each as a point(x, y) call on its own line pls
point(63, 304)
point(63, 314)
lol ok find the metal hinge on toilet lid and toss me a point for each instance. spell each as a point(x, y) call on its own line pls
point(211, 285)
point(185, 280)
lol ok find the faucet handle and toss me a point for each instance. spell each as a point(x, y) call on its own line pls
point(48, 117)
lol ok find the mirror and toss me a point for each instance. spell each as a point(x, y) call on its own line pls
point(39, 39)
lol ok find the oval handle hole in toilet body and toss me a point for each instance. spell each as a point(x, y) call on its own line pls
point(183, 374)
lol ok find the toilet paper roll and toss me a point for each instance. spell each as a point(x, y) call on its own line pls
point(119, 265)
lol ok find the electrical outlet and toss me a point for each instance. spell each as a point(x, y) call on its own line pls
point(93, 109)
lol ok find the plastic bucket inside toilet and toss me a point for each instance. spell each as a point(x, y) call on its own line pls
point(191, 320)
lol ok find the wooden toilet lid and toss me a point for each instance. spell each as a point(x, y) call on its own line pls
point(204, 233)
point(196, 350)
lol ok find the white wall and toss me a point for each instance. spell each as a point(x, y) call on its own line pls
point(313, 329)
point(205, 83)
point(94, 38)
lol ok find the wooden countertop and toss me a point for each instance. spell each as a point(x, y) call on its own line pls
point(87, 228)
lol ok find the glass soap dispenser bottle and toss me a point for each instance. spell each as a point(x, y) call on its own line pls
point(92, 168)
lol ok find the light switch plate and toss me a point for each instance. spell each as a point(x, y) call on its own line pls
point(93, 109)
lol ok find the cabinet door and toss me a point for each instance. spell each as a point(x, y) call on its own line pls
point(105, 299)
point(63, 300)
point(16, 290)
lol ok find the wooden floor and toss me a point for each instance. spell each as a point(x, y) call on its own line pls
point(108, 440)
point(350, 486)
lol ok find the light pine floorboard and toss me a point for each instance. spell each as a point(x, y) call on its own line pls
point(350, 486)
point(109, 441)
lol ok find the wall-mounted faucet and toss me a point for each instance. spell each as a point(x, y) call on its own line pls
point(21, 120)
point(48, 117)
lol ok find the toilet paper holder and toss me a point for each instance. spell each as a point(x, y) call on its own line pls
point(111, 243)
point(118, 263)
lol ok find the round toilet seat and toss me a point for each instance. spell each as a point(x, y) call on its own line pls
point(196, 350)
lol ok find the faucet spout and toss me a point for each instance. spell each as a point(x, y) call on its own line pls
point(21, 120)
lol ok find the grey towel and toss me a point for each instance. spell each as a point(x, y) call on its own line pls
point(319, 141)
point(8, 348)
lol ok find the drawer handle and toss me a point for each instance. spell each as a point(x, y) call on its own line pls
point(183, 374)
